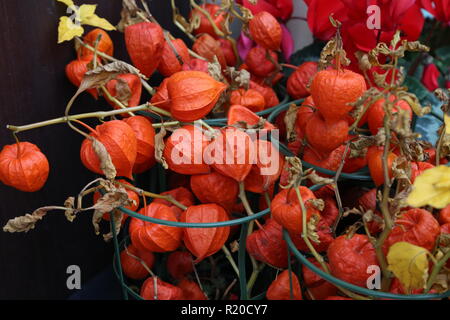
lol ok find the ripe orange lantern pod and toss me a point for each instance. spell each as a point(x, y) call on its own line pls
point(145, 43)
point(131, 266)
point(267, 245)
point(130, 86)
point(161, 96)
point(375, 162)
point(270, 97)
point(232, 153)
point(326, 136)
point(193, 94)
point(75, 72)
point(267, 169)
point(416, 226)
point(349, 258)
point(160, 290)
point(208, 47)
point(182, 195)
point(119, 140)
point(196, 65)
point(228, 51)
point(286, 209)
point(238, 113)
point(205, 25)
point(170, 63)
point(333, 91)
point(105, 44)
point(299, 81)
point(180, 264)
point(145, 135)
point(154, 237)
point(184, 151)
point(375, 114)
point(191, 290)
point(266, 31)
point(250, 98)
point(215, 188)
point(203, 242)
point(280, 289)
point(23, 166)
point(258, 62)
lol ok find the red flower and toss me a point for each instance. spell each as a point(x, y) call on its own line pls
point(281, 9)
point(440, 9)
point(430, 77)
point(394, 14)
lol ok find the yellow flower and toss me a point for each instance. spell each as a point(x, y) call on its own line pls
point(70, 27)
point(432, 188)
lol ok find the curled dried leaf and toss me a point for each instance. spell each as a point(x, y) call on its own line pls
point(106, 164)
point(70, 205)
point(118, 216)
point(316, 179)
point(123, 91)
point(319, 204)
point(160, 146)
point(27, 222)
point(103, 74)
point(312, 228)
point(363, 60)
point(110, 201)
point(290, 119)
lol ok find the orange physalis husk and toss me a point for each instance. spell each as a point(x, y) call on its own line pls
point(179, 264)
point(131, 266)
point(23, 166)
point(132, 83)
point(208, 47)
point(203, 242)
point(286, 209)
point(170, 64)
point(193, 94)
point(184, 151)
point(145, 43)
point(232, 153)
point(267, 169)
point(156, 237)
point(119, 140)
point(250, 98)
point(215, 188)
point(145, 135)
point(266, 31)
point(280, 288)
point(267, 245)
point(163, 290)
point(191, 290)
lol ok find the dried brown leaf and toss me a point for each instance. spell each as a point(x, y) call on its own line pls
point(70, 212)
point(290, 120)
point(160, 146)
point(27, 222)
point(106, 164)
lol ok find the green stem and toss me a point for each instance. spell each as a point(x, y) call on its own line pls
point(98, 114)
point(230, 259)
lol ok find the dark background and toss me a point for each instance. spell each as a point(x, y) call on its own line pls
point(33, 88)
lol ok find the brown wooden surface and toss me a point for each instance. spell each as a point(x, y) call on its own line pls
point(33, 87)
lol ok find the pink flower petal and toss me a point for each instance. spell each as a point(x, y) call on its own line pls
point(287, 43)
point(244, 45)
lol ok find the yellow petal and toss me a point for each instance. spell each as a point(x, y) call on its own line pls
point(447, 123)
point(68, 3)
point(96, 21)
point(409, 263)
point(67, 30)
point(432, 188)
point(86, 11)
